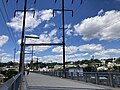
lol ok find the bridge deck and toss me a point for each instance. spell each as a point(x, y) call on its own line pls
point(43, 82)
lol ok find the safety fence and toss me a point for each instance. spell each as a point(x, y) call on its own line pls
point(102, 78)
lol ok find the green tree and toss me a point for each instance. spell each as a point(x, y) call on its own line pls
point(117, 61)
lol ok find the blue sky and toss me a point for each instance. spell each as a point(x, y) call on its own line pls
point(93, 30)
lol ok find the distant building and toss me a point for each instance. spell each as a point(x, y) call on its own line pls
point(75, 70)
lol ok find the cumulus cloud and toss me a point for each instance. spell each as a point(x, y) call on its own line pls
point(69, 30)
point(47, 25)
point(69, 50)
point(59, 58)
point(31, 23)
point(82, 48)
point(107, 53)
point(91, 48)
point(3, 40)
point(6, 57)
point(43, 38)
point(105, 27)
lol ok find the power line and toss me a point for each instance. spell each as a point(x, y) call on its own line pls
point(7, 27)
point(10, 30)
point(81, 2)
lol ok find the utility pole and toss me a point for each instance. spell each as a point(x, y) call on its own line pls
point(23, 32)
point(21, 65)
point(63, 27)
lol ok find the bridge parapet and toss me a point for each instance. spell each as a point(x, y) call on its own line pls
point(11, 84)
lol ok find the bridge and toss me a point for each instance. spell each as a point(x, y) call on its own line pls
point(52, 81)
point(44, 82)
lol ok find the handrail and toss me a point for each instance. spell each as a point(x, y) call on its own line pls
point(11, 84)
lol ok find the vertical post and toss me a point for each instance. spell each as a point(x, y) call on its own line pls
point(21, 65)
point(63, 38)
point(96, 78)
point(0, 63)
point(23, 32)
point(32, 59)
point(14, 56)
point(78, 76)
point(110, 79)
point(37, 63)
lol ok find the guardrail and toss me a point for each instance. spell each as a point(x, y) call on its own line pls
point(11, 84)
point(102, 78)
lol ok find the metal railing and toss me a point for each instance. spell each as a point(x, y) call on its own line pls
point(11, 84)
point(102, 78)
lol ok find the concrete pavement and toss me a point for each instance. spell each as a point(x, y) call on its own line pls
point(43, 82)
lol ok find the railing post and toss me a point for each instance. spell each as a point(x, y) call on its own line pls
point(78, 76)
point(85, 77)
point(110, 79)
point(71, 75)
point(96, 78)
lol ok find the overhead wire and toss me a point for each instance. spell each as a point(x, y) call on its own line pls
point(6, 26)
point(9, 29)
point(75, 11)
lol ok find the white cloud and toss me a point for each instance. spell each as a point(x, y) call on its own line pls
point(91, 48)
point(105, 27)
point(57, 49)
point(69, 50)
point(69, 30)
point(53, 33)
point(47, 25)
point(31, 23)
point(5, 54)
point(101, 12)
point(38, 48)
point(78, 55)
point(53, 58)
point(83, 48)
point(43, 38)
point(18, 52)
point(5, 57)
point(3, 40)
point(59, 58)
point(107, 53)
